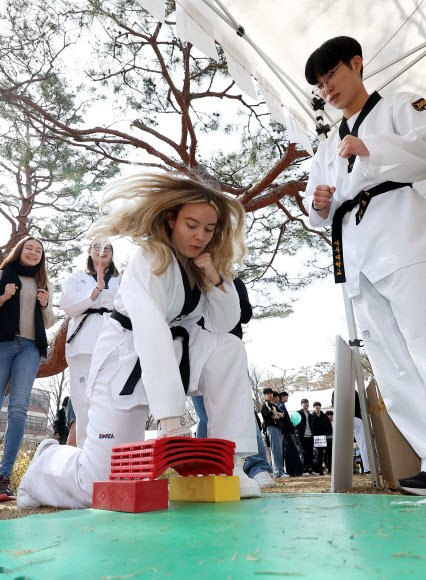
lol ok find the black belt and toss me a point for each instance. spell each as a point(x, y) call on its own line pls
point(362, 200)
point(87, 312)
point(136, 374)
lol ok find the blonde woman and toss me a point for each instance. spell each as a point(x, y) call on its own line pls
point(151, 353)
point(87, 295)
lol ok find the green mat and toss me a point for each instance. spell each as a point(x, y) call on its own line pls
point(318, 536)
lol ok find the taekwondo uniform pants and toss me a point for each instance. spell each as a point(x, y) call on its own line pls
point(79, 367)
point(391, 315)
point(63, 476)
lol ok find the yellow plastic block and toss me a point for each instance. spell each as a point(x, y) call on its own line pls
point(215, 488)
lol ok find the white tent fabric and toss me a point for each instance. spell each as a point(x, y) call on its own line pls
point(324, 397)
point(280, 35)
point(188, 29)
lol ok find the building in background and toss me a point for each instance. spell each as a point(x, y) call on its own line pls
point(37, 426)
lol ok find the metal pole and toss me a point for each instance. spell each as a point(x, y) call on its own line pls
point(354, 343)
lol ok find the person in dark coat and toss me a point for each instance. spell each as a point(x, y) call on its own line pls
point(329, 457)
point(293, 463)
point(322, 426)
point(60, 427)
point(305, 433)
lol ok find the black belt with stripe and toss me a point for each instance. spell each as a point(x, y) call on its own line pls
point(136, 374)
point(362, 200)
point(87, 312)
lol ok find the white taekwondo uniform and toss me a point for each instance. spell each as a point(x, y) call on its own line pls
point(385, 254)
point(75, 300)
point(63, 475)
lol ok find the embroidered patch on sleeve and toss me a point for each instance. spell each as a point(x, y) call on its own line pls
point(420, 105)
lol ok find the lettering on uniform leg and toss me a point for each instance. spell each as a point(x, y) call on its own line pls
point(82, 380)
point(420, 104)
point(366, 334)
point(106, 436)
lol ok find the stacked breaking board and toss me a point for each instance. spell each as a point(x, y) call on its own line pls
point(133, 486)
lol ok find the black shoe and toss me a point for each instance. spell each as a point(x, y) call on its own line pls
point(366, 473)
point(415, 485)
point(6, 494)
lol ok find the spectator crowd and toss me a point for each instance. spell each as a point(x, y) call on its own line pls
point(300, 445)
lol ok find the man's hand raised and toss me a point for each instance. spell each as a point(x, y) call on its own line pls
point(351, 145)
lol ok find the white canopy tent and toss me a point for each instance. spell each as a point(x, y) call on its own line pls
point(270, 40)
point(323, 396)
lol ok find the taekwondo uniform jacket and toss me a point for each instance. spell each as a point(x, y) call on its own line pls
point(153, 304)
point(75, 300)
point(392, 234)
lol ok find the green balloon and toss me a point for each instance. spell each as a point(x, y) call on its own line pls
point(296, 418)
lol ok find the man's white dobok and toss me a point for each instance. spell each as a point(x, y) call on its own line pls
point(64, 476)
point(385, 254)
point(75, 300)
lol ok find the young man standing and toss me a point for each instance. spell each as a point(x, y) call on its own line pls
point(272, 420)
point(361, 183)
point(322, 426)
point(305, 433)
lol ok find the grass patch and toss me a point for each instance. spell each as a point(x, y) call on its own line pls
point(25, 455)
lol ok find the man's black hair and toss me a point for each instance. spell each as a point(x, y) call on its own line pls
point(317, 403)
point(275, 393)
point(283, 394)
point(304, 401)
point(329, 55)
point(267, 390)
point(329, 412)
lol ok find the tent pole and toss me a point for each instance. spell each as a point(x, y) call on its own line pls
point(396, 32)
point(396, 75)
point(279, 73)
point(356, 360)
point(395, 60)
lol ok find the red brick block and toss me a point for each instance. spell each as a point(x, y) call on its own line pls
point(130, 496)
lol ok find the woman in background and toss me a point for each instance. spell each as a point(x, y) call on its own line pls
point(25, 313)
point(86, 296)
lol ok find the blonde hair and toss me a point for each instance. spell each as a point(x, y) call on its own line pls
point(152, 200)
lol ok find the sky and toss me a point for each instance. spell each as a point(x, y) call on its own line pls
point(305, 337)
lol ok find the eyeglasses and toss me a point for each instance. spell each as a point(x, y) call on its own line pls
point(98, 247)
point(319, 89)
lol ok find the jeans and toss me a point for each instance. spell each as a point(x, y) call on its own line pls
point(276, 439)
point(200, 409)
point(19, 361)
point(256, 463)
point(253, 464)
point(70, 413)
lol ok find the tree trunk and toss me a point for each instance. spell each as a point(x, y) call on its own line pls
point(55, 362)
